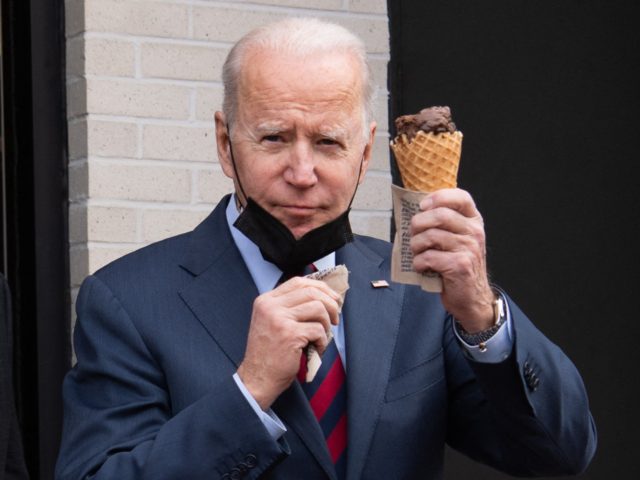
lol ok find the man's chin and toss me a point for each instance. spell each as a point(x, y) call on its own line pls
point(300, 231)
point(299, 227)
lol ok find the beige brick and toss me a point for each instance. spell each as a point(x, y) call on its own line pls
point(73, 297)
point(180, 143)
point(75, 57)
point(77, 139)
point(78, 181)
point(118, 97)
point(77, 98)
point(73, 17)
point(381, 111)
point(374, 193)
point(229, 24)
point(379, 73)
point(208, 101)
point(374, 32)
point(101, 256)
point(112, 139)
point(315, 4)
point(368, 6)
point(144, 183)
point(77, 223)
point(212, 184)
point(149, 18)
point(109, 57)
point(373, 224)
point(159, 224)
point(78, 265)
point(380, 156)
point(186, 62)
point(111, 224)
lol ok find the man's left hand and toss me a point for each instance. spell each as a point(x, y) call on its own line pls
point(447, 236)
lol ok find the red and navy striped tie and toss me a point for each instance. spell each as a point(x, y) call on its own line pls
point(327, 395)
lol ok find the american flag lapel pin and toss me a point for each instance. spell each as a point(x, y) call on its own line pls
point(379, 283)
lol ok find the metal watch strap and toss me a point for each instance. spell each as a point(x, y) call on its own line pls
point(480, 338)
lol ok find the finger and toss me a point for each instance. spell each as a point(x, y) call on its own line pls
point(445, 219)
point(433, 238)
point(460, 265)
point(315, 334)
point(306, 295)
point(453, 198)
point(296, 283)
point(311, 312)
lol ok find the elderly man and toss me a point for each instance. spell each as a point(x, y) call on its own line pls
point(189, 351)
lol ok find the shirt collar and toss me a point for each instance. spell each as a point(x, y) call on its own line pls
point(265, 274)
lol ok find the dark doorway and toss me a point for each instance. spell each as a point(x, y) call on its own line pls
point(547, 97)
point(34, 218)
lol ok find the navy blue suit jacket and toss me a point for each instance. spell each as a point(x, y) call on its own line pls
point(160, 333)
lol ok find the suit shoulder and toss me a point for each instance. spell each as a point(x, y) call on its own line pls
point(154, 255)
point(381, 247)
point(151, 275)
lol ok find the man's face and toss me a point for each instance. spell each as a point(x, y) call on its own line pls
point(298, 138)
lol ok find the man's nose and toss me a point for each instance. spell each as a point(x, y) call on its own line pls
point(301, 170)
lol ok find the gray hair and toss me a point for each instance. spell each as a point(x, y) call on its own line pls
point(299, 37)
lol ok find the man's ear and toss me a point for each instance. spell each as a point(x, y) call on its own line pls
point(222, 144)
point(368, 151)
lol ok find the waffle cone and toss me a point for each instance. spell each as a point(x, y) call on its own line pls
point(430, 161)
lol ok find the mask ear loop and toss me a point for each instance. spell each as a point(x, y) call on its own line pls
point(357, 182)
point(235, 171)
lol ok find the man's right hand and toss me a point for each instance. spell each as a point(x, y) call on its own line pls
point(283, 322)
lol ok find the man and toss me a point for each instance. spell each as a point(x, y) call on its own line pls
point(11, 459)
point(188, 350)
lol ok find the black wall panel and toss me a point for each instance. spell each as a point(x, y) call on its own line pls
point(547, 97)
point(36, 241)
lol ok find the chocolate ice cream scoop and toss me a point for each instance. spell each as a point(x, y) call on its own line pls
point(432, 119)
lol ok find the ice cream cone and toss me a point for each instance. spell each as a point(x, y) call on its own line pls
point(430, 161)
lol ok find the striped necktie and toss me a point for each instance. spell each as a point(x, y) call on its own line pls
point(327, 395)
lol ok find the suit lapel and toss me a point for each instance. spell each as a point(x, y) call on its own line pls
point(222, 292)
point(371, 321)
point(293, 408)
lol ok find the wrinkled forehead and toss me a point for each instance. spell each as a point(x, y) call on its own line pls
point(313, 79)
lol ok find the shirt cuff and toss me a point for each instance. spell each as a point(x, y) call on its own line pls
point(497, 348)
point(269, 419)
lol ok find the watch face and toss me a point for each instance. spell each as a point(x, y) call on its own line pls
point(498, 310)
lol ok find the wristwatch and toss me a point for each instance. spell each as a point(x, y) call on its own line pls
point(480, 338)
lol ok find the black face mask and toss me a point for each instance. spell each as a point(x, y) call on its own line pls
point(279, 246)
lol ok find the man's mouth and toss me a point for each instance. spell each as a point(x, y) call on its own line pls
point(302, 210)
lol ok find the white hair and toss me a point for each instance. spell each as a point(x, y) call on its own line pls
point(298, 37)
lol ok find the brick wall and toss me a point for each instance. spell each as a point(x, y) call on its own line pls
point(143, 81)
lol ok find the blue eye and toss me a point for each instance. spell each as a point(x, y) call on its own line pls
point(272, 138)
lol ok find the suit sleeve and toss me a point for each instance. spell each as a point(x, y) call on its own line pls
point(118, 419)
point(527, 415)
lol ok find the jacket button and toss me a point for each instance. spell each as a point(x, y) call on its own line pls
point(536, 382)
point(235, 474)
point(251, 460)
point(532, 382)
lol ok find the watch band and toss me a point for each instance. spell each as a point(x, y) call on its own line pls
point(480, 338)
